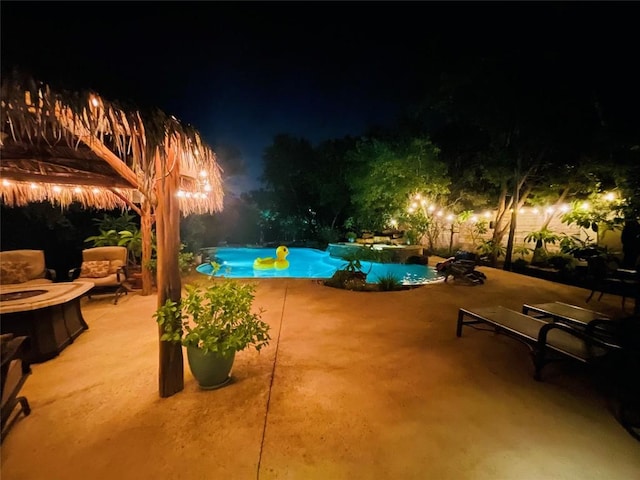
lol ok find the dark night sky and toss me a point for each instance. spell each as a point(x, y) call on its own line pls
point(241, 72)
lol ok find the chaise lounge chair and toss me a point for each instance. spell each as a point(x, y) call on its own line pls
point(548, 340)
point(461, 270)
point(567, 331)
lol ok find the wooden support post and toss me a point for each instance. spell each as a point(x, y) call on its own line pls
point(146, 221)
point(171, 369)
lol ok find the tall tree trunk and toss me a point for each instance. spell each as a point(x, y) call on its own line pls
point(171, 370)
point(498, 228)
point(517, 184)
point(146, 221)
point(558, 203)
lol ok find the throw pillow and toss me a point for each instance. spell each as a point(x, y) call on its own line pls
point(94, 269)
point(14, 272)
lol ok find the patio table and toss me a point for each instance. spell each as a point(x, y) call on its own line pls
point(49, 314)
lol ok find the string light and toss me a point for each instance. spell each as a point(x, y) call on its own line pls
point(418, 202)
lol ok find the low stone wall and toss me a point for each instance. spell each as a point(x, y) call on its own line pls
point(399, 254)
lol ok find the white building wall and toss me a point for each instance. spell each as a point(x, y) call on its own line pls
point(526, 223)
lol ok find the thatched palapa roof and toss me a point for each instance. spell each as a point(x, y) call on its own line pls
point(64, 147)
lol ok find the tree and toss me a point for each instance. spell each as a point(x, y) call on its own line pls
point(286, 165)
point(388, 173)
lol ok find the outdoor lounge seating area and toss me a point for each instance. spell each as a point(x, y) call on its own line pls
point(545, 337)
point(557, 330)
point(341, 392)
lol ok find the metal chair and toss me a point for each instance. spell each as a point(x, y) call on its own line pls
point(14, 373)
point(105, 267)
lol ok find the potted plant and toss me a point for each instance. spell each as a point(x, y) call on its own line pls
point(214, 323)
point(351, 237)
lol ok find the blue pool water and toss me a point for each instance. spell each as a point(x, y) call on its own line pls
point(310, 263)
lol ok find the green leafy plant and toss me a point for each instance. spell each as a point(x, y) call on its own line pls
point(474, 230)
point(132, 239)
point(596, 214)
point(126, 221)
point(521, 250)
point(350, 276)
point(581, 249)
point(487, 248)
point(185, 262)
point(351, 236)
point(542, 238)
point(389, 282)
point(219, 318)
point(562, 261)
point(519, 264)
point(105, 238)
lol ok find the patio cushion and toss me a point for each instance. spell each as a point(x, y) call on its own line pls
point(14, 272)
point(94, 269)
point(34, 259)
point(115, 265)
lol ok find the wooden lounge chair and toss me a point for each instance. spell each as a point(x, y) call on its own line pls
point(14, 373)
point(548, 340)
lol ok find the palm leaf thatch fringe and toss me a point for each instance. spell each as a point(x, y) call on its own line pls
point(63, 124)
point(18, 194)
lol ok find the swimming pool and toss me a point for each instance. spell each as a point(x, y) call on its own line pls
point(237, 262)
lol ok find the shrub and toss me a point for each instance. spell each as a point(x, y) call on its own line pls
point(562, 262)
point(519, 264)
point(389, 283)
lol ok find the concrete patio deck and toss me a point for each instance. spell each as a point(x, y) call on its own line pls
point(354, 385)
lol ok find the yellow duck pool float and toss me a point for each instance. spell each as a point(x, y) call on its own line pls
point(279, 263)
